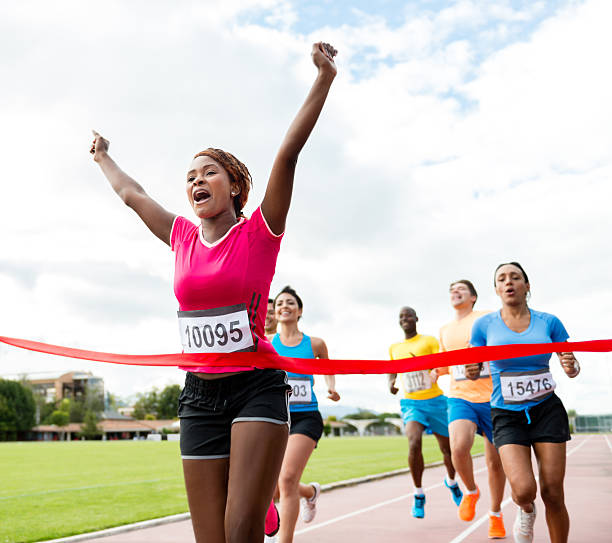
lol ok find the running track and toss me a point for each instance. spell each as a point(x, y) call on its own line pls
point(380, 510)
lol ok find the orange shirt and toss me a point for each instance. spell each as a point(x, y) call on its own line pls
point(456, 335)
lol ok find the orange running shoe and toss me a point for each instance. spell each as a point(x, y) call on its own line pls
point(496, 527)
point(467, 507)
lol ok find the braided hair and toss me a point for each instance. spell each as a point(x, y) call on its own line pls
point(237, 172)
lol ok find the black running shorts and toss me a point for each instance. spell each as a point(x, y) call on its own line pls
point(549, 424)
point(209, 407)
point(308, 423)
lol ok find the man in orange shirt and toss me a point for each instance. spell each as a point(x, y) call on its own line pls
point(469, 410)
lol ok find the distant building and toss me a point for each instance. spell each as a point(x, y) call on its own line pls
point(593, 423)
point(72, 385)
point(111, 427)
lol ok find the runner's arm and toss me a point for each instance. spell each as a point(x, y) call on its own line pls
point(319, 349)
point(157, 219)
point(570, 365)
point(391, 377)
point(277, 199)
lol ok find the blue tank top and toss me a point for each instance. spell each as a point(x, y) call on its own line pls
point(302, 396)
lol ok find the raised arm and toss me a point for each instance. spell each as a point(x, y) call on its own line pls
point(275, 205)
point(157, 219)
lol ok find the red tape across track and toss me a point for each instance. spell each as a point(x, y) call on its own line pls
point(321, 366)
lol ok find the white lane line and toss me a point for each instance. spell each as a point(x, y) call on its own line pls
point(473, 527)
point(608, 442)
point(370, 508)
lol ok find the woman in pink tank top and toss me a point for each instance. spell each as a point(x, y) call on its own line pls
point(234, 419)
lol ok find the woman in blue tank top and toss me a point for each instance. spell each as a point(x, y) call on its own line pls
point(525, 411)
point(306, 420)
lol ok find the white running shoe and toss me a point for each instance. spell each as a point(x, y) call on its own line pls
point(308, 507)
point(523, 526)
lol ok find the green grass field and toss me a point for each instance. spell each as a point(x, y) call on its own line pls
point(52, 490)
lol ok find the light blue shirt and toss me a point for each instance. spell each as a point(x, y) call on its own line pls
point(491, 329)
point(303, 350)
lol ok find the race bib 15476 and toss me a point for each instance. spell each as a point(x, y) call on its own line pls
point(521, 387)
point(219, 330)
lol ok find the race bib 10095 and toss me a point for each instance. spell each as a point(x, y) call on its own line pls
point(219, 330)
point(521, 387)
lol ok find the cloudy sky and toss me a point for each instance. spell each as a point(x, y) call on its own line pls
point(457, 135)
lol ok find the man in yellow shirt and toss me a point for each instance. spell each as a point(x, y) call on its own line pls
point(469, 410)
point(423, 408)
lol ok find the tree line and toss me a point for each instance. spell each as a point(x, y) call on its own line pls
point(21, 409)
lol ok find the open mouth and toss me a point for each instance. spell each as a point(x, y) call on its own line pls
point(200, 196)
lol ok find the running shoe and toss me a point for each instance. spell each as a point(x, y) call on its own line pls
point(523, 526)
point(272, 520)
point(308, 507)
point(418, 508)
point(455, 492)
point(467, 507)
point(496, 527)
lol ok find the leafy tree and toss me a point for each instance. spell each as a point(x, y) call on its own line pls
point(384, 416)
point(64, 405)
point(17, 408)
point(362, 414)
point(77, 411)
point(160, 405)
point(45, 410)
point(90, 429)
point(146, 404)
point(167, 404)
point(327, 429)
point(60, 419)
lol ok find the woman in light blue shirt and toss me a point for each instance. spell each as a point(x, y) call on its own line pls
point(525, 410)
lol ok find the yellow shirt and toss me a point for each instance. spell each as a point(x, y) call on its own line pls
point(417, 385)
point(456, 335)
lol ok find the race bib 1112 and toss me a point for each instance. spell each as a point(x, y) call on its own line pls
point(416, 381)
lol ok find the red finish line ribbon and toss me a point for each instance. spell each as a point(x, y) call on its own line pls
point(321, 366)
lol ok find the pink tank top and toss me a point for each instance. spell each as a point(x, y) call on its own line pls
point(232, 274)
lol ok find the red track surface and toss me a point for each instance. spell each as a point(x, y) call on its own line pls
point(380, 511)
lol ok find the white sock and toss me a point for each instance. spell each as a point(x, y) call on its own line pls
point(419, 491)
point(475, 491)
point(450, 482)
point(495, 514)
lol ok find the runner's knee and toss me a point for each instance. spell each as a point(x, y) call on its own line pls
point(524, 493)
point(552, 496)
point(242, 528)
point(414, 445)
point(288, 482)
